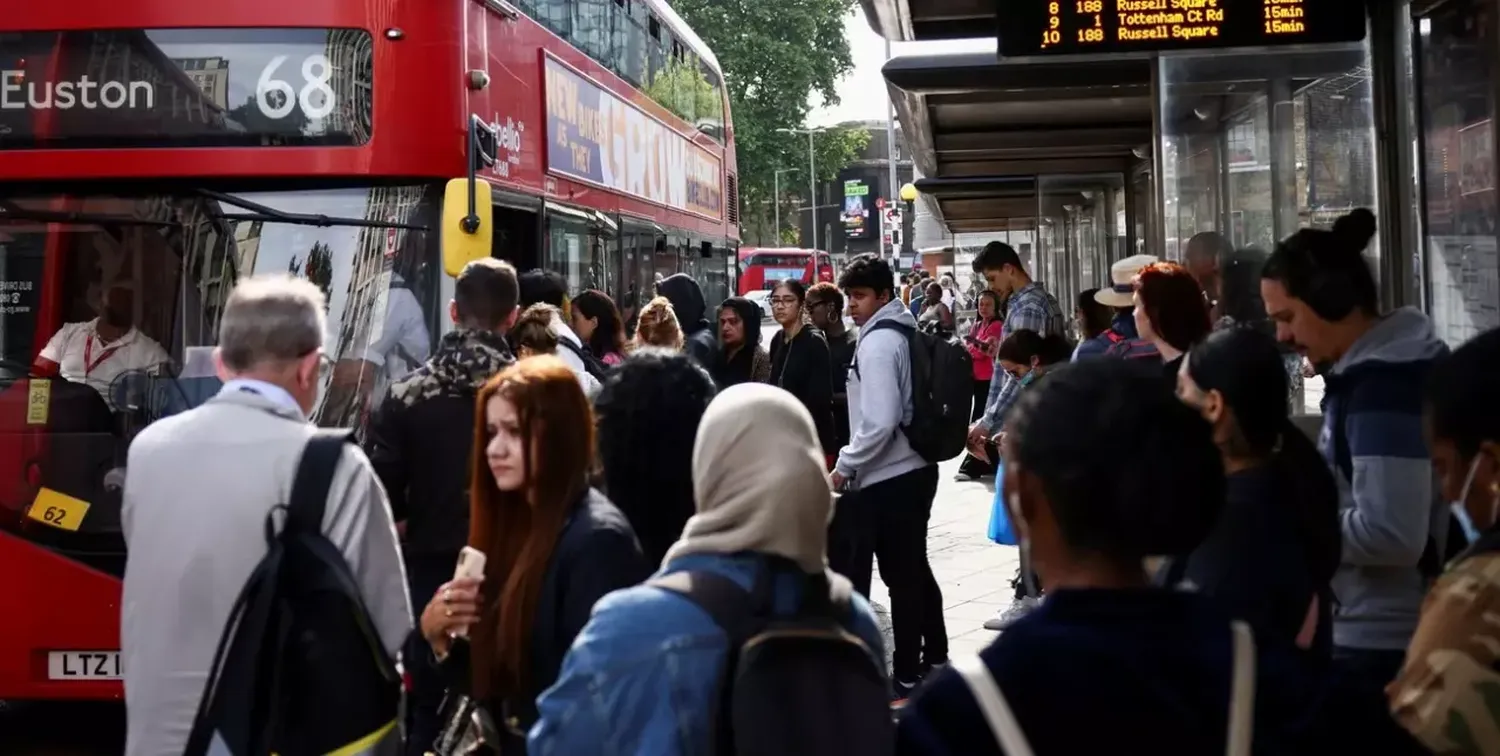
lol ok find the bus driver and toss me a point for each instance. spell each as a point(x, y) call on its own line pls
point(96, 351)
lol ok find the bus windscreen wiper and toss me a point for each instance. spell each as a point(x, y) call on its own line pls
point(265, 213)
point(9, 211)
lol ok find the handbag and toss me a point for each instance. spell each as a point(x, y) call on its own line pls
point(468, 729)
point(1007, 731)
point(1002, 530)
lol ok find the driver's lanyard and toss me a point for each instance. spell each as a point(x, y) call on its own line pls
point(89, 363)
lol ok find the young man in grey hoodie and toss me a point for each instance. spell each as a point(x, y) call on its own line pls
point(888, 487)
point(1319, 292)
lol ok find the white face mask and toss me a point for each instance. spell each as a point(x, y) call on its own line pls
point(1461, 513)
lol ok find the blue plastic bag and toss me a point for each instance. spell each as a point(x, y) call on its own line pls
point(1002, 531)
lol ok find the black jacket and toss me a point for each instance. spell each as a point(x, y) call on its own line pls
point(841, 356)
point(420, 436)
point(692, 314)
point(597, 553)
point(804, 368)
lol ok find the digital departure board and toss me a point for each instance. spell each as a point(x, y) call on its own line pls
point(1082, 27)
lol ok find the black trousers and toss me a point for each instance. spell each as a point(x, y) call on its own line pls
point(425, 573)
point(889, 520)
point(973, 466)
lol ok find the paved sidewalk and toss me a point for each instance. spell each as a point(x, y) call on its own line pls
point(974, 573)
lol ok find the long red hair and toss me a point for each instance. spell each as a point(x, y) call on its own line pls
point(518, 530)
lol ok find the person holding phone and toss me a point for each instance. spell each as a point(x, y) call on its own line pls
point(553, 546)
point(982, 340)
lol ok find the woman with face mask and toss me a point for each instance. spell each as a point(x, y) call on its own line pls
point(1026, 356)
point(1442, 694)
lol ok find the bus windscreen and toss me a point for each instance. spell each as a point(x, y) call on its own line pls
point(185, 88)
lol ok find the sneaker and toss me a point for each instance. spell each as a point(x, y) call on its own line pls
point(900, 691)
point(963, 477)
point(1022, 607)
point(929, 669)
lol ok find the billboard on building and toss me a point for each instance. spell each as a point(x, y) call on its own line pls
point(858, 209)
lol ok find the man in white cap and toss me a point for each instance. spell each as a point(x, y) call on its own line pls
point(1120, 296)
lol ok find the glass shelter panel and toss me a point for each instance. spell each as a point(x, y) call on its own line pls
point(1456, 60)
point(1257, 145)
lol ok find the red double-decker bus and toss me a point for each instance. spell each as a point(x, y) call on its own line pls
point(761, 267)
point(154, 152)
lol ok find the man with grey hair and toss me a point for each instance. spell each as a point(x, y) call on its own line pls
point(198, 489)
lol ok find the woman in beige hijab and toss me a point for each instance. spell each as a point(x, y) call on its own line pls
point(644, 675)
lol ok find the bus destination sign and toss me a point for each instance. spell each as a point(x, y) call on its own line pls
point(1083, 27)
point(185, 88)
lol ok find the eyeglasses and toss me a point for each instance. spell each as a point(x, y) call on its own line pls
point(325, 365)
point(784, 301)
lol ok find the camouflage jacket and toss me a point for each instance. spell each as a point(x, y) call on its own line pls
point(1448, 692)
point(464, 361)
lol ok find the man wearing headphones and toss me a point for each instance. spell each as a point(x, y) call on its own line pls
point(1319, 292)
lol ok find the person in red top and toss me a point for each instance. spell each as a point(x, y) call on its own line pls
point(982, 339)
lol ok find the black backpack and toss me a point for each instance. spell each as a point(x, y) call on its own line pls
point(300, 669)
point(794, 685)
point(592, 364)
point(942, 388)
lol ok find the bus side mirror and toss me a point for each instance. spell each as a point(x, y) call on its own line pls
point(468, 223)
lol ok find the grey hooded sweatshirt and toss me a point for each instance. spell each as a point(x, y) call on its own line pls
point(1389, 512)
point(880, 402)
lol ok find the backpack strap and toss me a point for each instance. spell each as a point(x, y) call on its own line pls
point(992, 704)
point(730, 606)
point(1241, 691)
point(591, 363)
point(880, 325)
point(309, 497)
point(737, 612)
point(304, 510)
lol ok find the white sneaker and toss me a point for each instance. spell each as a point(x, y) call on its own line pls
point(1022, 607)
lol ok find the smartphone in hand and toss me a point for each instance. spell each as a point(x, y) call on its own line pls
point(470, 565)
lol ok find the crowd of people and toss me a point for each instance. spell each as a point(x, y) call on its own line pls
point(660, 502)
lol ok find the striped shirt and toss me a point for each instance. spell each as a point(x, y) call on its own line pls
point(1031, 308)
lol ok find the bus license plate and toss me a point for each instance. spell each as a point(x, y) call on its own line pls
point(83, 665)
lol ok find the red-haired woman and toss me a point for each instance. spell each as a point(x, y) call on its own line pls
point(1171, 312)
point(554, 546)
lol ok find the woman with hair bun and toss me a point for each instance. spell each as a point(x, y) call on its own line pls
point(1103, 467)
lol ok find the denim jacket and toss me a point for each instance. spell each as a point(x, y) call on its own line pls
point(643, 676)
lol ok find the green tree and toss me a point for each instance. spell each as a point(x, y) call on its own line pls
point(683, 89)
point(777, 54)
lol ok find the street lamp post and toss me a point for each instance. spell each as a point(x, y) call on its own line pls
point(776, 200)
point(812, 184)
point(908, 217)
